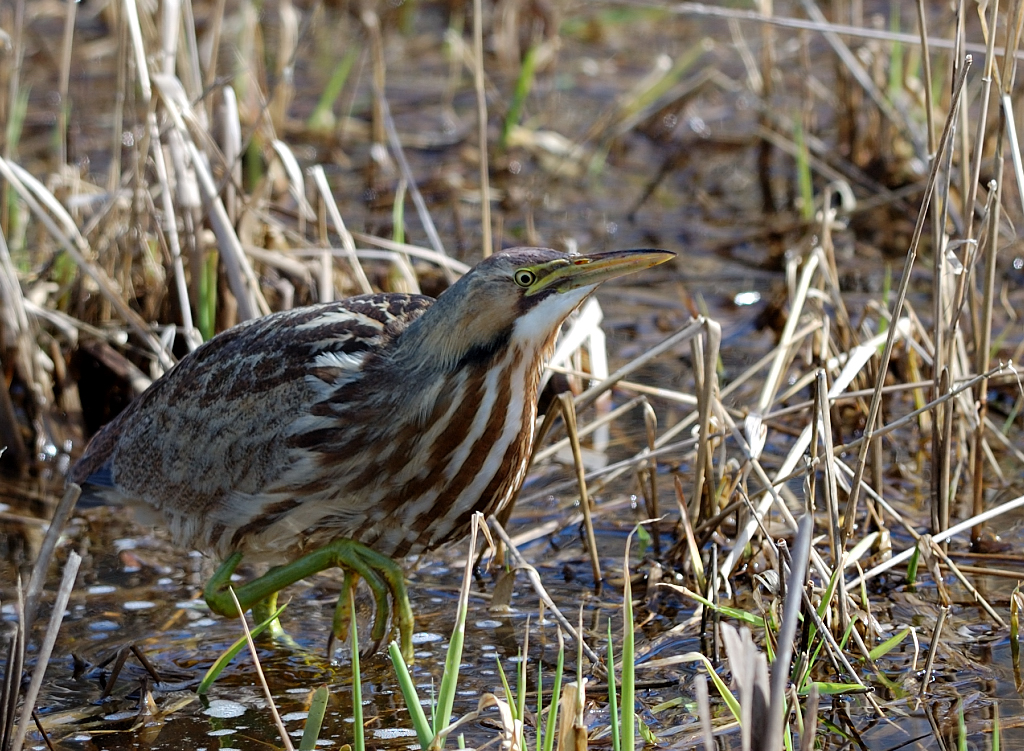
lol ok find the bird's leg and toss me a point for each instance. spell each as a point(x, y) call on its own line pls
point(265, 608)
point(343, 610)
point(382, 574)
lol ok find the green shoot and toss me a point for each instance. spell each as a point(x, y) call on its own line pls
point(322, 117)
point(208, 297)
point(358, 732)
point(889, 644)
point(831, 688)
point(229, 654)
point(627, 728)
point(16, 118)
point(912, 567)
point(556, 691)
point(996, 728)
point(803, 172)
point(420, 724)
point(450, 678)
point(509, 696)
point(426, 732)
point(398, 214)
point(520, 704)
point(750, 619)
point(315, 719)
point(613, 711)
point(523, 86)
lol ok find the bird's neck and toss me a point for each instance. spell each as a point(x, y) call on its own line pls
point(447, 339)
point(440, 356)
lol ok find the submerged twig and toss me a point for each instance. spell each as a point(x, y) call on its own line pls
point(538, 587)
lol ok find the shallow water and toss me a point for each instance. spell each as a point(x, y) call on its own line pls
point(136, 589)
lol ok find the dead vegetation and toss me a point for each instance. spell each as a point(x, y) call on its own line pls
point(239, 159)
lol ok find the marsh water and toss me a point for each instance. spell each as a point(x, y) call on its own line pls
point(692, 179)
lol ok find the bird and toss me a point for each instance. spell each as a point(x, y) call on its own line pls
point(350, 433)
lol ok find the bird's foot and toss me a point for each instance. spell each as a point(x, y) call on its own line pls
point(382, 574)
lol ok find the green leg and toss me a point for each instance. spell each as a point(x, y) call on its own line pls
point(262, 610)
point(381, 573)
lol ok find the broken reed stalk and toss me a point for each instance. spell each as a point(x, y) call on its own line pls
point(831, 493)
point(41, 567)
point(46, 648)
point(933, 649)
point(983, 338)
point(707, 381)
point(282, 732)
point(64, 83)
point(883, 367)
point(347, 242)
point(12, 673)
point(534, 577)
point(943, 416)
point(569, 415)
point(647, 475)
point(793, 590)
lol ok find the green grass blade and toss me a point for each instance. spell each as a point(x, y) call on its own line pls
point(613, 710)
point(509, 696)
point(358, 731)
point(826, 688)
point(803, 173)
point(208, 297)
point(420, 724)
point(398, 214)
point(627, 728)
point(889, 644)
point(322, 117)
point(556, 692)
point(315, 719)
point(521, 688)
point(450, 678)
point(540, 702)
point(229, 654)
point(724, 692)
point(523, 86)
point(770, 631)
point(16, 119)
point(912, 567)
point(742, 616)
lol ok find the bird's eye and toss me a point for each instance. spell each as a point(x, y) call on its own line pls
point(525, 277)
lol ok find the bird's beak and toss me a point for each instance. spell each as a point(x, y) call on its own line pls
point(587, 270)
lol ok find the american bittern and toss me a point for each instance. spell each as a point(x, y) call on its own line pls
point(353, 432)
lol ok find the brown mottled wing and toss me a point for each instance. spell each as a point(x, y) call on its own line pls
point(216, 424)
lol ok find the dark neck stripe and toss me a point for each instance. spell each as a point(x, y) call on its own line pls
point(482, 354)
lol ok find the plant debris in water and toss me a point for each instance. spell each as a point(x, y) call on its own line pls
point(843, 183)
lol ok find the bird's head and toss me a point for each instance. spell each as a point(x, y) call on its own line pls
point(519, 296)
